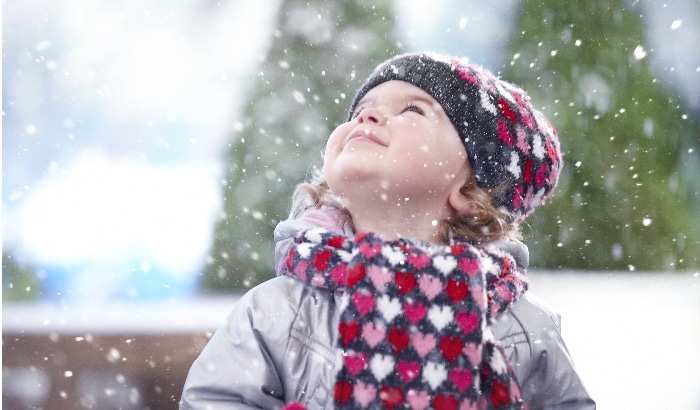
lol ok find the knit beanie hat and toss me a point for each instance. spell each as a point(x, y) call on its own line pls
point(513, 150)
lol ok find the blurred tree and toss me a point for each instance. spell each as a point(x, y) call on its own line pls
point(18, 281)
point(624, 199)
point(320, 53)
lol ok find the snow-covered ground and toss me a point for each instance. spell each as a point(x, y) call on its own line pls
point(635, 337)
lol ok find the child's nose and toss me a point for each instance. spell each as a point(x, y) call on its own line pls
point(372, 115)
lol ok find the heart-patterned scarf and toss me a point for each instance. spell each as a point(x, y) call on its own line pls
point(413, 322)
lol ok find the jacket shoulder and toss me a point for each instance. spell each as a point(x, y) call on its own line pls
point(530, 333)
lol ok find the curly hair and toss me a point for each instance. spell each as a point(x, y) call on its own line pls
point(482, 223)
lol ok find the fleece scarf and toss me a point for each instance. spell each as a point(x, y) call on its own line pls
point(413, 323)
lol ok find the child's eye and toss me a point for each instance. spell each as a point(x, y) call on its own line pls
point(413, 107)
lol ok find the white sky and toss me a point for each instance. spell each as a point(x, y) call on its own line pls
point(117, 115)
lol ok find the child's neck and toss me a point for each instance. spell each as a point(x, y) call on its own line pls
point(399, 224)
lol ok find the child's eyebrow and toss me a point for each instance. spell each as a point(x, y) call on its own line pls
point(403, 99)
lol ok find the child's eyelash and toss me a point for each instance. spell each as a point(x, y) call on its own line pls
point(413, 107)
point(409, 107)
point(357, 111)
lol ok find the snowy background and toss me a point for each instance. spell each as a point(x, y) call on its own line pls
point(124, 109)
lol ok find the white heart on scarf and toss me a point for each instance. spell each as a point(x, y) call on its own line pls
point(314, 235)
point(345, 256)
point(498, 362)
point(434, 374)
point(304, 249)
point(395, 255)
point(389, 307)
point(444, 263)
point(489, 265)
point(381, 366)
point(440, 316)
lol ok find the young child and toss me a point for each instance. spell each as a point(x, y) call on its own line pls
point(401, 275)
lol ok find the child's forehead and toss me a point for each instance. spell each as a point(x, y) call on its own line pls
point(395, 91)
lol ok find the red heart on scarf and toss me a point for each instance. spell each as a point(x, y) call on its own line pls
point(419, 260)
point(467, 321)
point(462, 379)
point(443, 402)
point(355, 362)
point(458, 249)
point(456, 290)
point(414, 313)
point(499, 394)
point(450, 347)
point(290, 258)
point(348, 331)
point(405, 282)
point(506, 266)
point(355, 274)
point(391, 396)
point(363, 303)
point(407, 370)
point(336, 242)
point(399, 339)
point(343, 392)
point(320, 260)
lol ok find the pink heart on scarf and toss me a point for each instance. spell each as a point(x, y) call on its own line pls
point(473, 352)
point(318, 280)
point(419, 260)
point(430, 286)
point(373, 334)
point(418, 400)
point(423, 343)
point(479, 296)
point(408, 370)
point(467, 321)
point(462, 379)
point(339, 274)
point(379, 276)
point(355, 362)
point(364, 393)
point(370, 250)
point(300, 270)
point(363, 303)
point(468, 404)
point(469, 266)
point(414, 313)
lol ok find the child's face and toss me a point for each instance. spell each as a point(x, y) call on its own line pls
point(400, 147)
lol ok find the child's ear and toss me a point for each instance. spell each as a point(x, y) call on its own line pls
point(461, 203)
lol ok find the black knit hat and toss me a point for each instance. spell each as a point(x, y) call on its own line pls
point(513, 150)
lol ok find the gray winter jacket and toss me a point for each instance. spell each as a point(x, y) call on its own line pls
point(277, 346)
